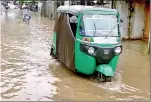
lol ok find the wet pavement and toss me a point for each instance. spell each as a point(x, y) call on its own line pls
point(29, 73)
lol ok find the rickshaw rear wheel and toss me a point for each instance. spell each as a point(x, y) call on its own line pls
point(51, 51)
point(52, 54)
point(101, 77)
point(76, 72)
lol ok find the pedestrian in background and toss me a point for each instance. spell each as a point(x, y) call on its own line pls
point(26, 11)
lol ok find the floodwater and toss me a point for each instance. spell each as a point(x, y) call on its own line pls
point(29, 73)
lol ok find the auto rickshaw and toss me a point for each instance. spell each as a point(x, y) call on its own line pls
point(87, 40)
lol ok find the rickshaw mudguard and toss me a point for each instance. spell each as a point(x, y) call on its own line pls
point(108, 69)
point(105, 69)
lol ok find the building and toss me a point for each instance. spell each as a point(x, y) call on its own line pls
point(136, 15)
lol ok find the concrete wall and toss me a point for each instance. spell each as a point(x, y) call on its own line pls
point(139, 20)
point(147, 21)
point(122, 7)
point(134, 22)
point(133, 26)
point(51, 8)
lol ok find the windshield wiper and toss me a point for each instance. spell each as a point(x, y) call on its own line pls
point(111, 30)
point(94, 27)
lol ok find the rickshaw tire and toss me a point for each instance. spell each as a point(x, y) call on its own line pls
point(76, 72)
point(51, 51)
point(53, 55)
point(100, 77)
point(108, 79)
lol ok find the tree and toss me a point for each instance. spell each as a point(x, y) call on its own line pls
point(23, 1)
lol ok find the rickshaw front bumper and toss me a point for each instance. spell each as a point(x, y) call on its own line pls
point(105, 69)
point(106, 58)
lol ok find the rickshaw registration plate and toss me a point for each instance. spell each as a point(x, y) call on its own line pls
point(99, 17)
point(112, 40)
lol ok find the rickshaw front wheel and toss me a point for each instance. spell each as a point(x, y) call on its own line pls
point(102, 78)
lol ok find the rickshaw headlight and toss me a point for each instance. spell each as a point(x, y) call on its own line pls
point(118, 50)
point(91, 50)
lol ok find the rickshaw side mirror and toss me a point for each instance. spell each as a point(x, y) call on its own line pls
point(81, 31)
point(121, 20)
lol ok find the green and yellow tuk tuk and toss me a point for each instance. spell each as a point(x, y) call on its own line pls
point(87, 40)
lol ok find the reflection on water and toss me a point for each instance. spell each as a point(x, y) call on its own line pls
point(126, 92)
point(25, 60)
point(133, 68)
point(29, 73)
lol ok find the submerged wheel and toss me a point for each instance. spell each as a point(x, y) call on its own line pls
point(108, 79)
point(101, 77)
point(51, 51)
point(52, 54)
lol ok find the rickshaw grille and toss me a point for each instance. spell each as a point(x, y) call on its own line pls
point(104, 55)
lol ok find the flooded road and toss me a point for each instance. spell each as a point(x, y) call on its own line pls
point(29, 73)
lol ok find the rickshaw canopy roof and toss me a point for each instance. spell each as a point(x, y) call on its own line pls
point(77, 9)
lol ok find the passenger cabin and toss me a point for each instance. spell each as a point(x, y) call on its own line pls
point(74, 11)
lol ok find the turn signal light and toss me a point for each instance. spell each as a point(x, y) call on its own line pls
point(87, 39)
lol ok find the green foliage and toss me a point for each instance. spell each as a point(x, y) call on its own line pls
point(25, 1)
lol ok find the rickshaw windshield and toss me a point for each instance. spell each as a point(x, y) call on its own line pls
point(99, 25)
